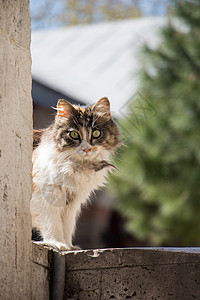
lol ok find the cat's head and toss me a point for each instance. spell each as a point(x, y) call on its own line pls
point(88, 132)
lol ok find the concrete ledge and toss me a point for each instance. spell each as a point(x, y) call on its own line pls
point(133, 273)
point(41, 270)
point(130, 273)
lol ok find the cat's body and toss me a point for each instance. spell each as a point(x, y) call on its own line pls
point(70, 162)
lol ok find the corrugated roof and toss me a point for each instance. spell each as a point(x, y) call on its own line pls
point(91, 61)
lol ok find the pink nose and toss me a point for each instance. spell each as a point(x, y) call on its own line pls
point(86, 150)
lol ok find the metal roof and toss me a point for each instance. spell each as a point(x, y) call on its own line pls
point(88, 62)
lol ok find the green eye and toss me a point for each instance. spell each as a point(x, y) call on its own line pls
point(74, 135)
point(96, 134)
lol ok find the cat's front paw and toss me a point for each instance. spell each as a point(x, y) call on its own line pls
point(75, 248)
point(54, 245)
point(58, 246)
point(63, 247)
point(66, 247)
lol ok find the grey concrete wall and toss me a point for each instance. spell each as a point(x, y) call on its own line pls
point(120, 274)
point(138, 274)
point(15, 149)
point(41, 272)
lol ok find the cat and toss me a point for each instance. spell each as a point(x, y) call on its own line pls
point(71, 160)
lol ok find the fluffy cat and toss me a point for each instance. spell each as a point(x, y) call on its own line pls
point(71, 159)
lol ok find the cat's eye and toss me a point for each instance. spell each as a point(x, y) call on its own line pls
point(96, 134)
point(74, 135)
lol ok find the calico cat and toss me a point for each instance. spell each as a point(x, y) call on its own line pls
point(71, 159)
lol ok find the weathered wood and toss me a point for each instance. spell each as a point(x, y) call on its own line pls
point(15, 149)
point(129, 273)
point(41, 272)
point(134, 273)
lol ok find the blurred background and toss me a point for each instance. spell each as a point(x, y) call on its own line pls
point(145, 57)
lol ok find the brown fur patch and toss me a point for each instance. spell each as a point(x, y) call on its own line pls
point(82, 109)
point(37, 134)
point(33, 174)
point(94, 149)
point(92, 165)
point(35, 215)
point(33, 187)
point(70, 196)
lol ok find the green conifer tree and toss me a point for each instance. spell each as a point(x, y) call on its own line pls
point(158, 185)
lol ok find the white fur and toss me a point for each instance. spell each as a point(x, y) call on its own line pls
point(54, 175)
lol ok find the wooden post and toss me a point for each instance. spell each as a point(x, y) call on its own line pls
point(15, 150)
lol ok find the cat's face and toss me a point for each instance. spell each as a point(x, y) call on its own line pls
point(85, 132)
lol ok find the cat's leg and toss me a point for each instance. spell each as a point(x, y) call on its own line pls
point(53, 242)
point(54, 235)
point(48, 222)
point(70, 216)
point(59, 235)
point(56, 224)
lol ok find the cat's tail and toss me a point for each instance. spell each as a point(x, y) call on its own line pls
point(36, 235)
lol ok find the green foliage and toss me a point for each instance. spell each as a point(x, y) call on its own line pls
point(51, 13)
point(91, 11)
point(158, 185)
point(48, 13)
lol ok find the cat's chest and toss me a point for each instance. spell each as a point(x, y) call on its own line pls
point(89, 180)
point(81, 184)
point(66, 181)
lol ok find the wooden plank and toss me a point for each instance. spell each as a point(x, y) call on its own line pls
point(109, 258)
point(15, 150)
point(40, 282)
point(133, 273)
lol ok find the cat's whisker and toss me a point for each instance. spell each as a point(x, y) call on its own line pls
point(75, 120)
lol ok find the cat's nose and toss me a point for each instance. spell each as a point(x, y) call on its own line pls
point(86, 150)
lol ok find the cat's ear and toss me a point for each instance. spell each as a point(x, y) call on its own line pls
point(65, 109)
point(103, 106)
